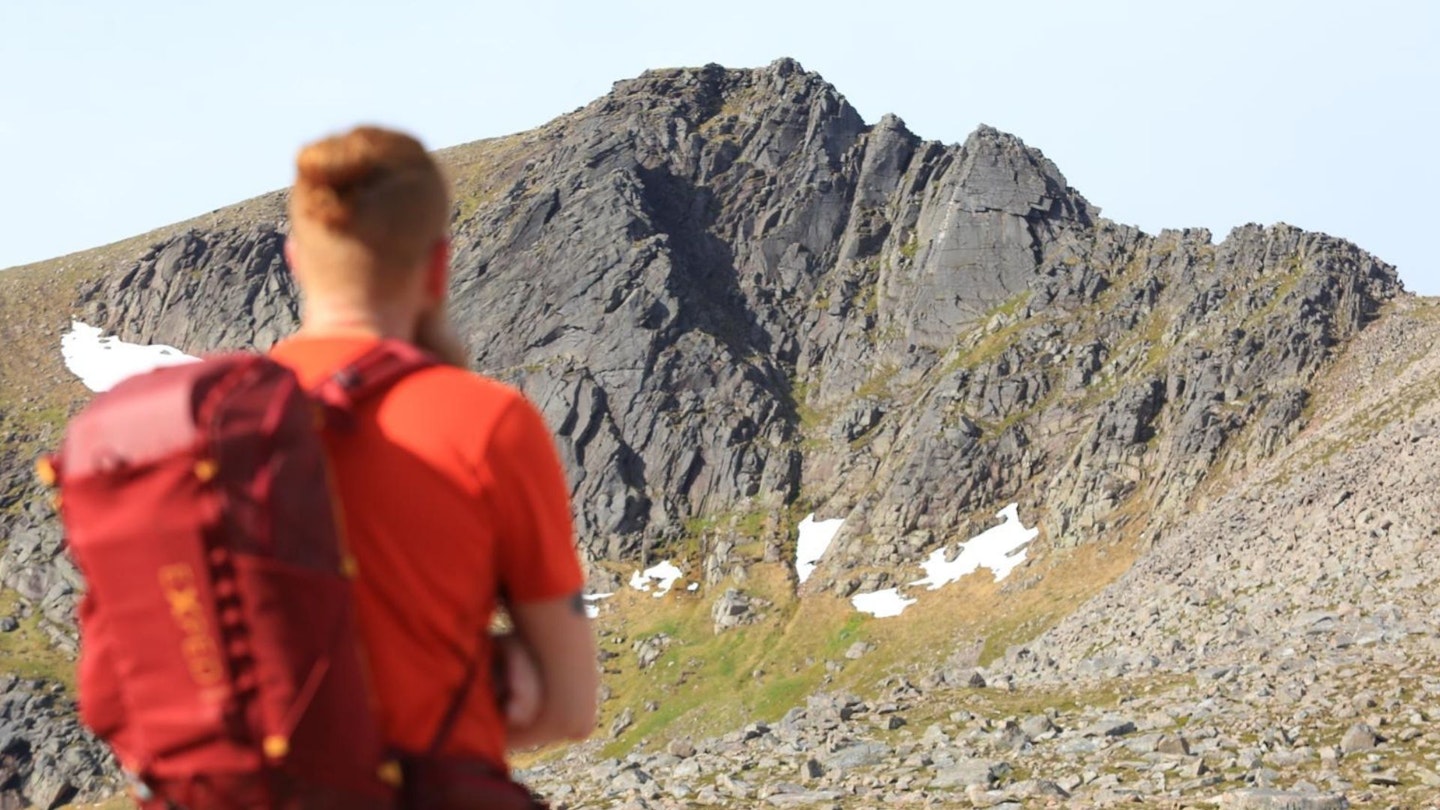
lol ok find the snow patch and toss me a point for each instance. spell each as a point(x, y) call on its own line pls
point(663, 576)
point(103, 362)
point(881, 604)
point(999, 548)
point(815, 539)
point(592, 610)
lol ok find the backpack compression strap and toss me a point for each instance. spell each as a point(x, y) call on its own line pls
point(368, 375)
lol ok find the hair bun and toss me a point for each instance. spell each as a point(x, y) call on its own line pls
point(375, 191)
point(333, 173)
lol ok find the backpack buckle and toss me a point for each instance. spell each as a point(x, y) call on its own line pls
point(47, 470)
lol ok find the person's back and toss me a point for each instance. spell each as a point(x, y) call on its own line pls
point(452, 495)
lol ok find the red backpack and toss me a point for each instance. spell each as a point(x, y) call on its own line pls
point(219, 653)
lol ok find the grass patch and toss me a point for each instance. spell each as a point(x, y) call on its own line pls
point(812, 419)
point(37, 393)
point(1277, 296)
point(846, 635)
point(484, 172)
point(1151, 336)
point(752, 524)
point(27, 651)
point(778, 697)
point(764, 670)
point(878, 386)
point(696, 526)
point(1011, 306)
point(985, 348)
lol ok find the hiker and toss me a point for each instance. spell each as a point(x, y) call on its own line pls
point(293, 562)
point(453, 499)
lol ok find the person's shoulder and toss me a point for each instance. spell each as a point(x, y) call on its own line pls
point(466, 391)
point(448, 399)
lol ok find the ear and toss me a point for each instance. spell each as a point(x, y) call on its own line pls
point(437, 271)
point(290, 254)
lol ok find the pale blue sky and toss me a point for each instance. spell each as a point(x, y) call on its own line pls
point(119, 117)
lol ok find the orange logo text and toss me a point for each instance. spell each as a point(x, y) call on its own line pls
point(197, 644)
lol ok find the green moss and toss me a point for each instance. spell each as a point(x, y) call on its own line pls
point(27, 651)
point(1009, 422)
point(987, 349)
point(871, 303)
point(752, 523)
point(1012, 305)
point(810, 418)
point(990, 346)
point(684, 679)
point(878, 386)
point(1277, 296)
point(845, 635)
point(780, 695)
point(699, 525)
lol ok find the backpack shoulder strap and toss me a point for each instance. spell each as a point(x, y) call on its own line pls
point(369, 375)
point(467, 681)
point(456, 706)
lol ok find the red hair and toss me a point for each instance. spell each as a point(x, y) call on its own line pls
point(374, 187)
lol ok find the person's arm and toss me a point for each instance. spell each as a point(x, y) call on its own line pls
point(562, 645)
point(541, 578)
point(517, 680)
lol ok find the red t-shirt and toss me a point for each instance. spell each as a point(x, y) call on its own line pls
point(451, 490)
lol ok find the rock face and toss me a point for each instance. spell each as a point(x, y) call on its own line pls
point(728, 292)
point(32, 566)
point(46, 758)
point(1311, 555)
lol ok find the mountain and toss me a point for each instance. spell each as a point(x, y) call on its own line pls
point(737, 303)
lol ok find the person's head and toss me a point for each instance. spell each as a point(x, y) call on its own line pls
point(369, 232)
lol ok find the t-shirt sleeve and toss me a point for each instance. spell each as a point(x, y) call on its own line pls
point(535, 536)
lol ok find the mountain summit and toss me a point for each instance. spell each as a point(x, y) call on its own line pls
point(730, 294)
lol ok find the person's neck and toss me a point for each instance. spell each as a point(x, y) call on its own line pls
point(329, 321)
